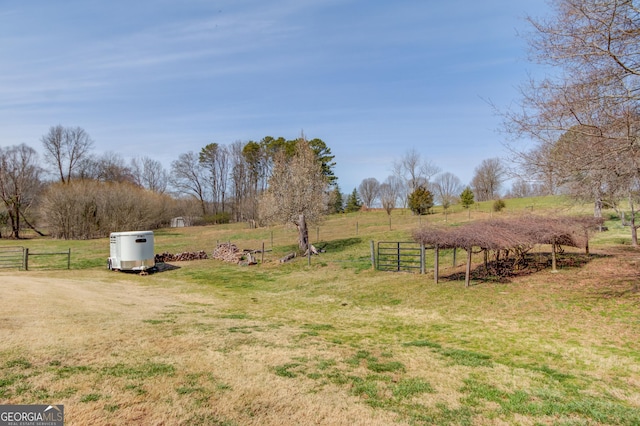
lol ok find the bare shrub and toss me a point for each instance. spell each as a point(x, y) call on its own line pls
point(92, 209)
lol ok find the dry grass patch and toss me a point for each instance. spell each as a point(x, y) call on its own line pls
point(330, 343)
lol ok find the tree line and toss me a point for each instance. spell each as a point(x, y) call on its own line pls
point(226, 180)
point(74, 193)
point(418, 184)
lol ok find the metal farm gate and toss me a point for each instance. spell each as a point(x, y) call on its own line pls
point(12, 257)
point(400, 256)
point(18, 258)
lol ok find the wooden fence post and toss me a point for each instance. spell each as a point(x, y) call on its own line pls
point(467, 278)
point(69, 259)
point(373, 255)
point(26, 259)
point(436, 263)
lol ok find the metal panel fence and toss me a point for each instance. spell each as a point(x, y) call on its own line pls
point(49, 260)
point(20, 258)
point(12, 257)
point(400, 256)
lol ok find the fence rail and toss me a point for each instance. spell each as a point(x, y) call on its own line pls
point(21, 258)
point(28, 255)
point(12, 257)
point(400, 256)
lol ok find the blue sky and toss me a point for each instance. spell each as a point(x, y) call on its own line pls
point(372, 78)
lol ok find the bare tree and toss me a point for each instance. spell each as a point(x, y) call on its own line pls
point(369, 190)
point(605, 171)
point(487, 179)
point(214, 158)
point(19, 183)
point(388, 195)
point(538, 168)
point(593, 96)
point(150, 174)
point(111, 167)
point(594, 46)
point(414, 171)
point(297, 192)
point(187, 176)
point(397, 188)
point(521, 189)
point(67, 146)
point(447, 188)
point(240, 181)
point(222, 180)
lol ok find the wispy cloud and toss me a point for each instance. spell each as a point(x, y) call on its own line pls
point(359, 73)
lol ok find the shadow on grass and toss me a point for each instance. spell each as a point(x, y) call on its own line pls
point(504, 270)
point(160, 267)
point(164, 267)
point(333, 246)
point(336, 246)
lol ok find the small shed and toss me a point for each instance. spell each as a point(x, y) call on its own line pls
point(180, 222)
point(131, 251)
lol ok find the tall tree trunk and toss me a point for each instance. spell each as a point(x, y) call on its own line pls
point(303, 233)
point(203, 206)
point(12, 222)
point(634, 228)
point(597, 207)
point(15, 221)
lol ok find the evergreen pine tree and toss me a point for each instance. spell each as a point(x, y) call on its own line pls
point(337, 201)
point(353, 202)
point(420, 200)
point(467, 198)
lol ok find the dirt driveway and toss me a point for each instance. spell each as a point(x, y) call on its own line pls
point(124, 352)
point(37, 309)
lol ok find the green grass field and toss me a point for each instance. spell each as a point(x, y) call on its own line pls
point(333, 342)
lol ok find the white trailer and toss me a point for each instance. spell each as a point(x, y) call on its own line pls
point(131, 251)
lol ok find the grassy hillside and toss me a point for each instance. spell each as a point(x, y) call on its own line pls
point(333, 342)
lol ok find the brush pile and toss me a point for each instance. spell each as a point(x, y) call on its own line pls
point(179, 257)
point(227, 252)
